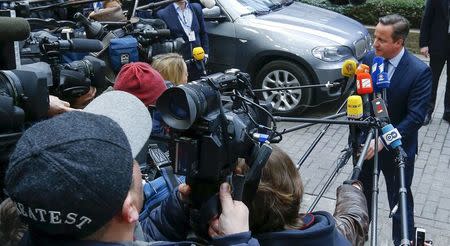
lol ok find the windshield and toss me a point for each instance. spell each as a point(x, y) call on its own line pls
point(262, 6)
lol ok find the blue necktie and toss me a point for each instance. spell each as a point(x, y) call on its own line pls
point(386, 66)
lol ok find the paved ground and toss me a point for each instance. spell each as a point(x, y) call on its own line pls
point(431, 183)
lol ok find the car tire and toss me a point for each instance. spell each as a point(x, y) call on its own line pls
point(280, 73)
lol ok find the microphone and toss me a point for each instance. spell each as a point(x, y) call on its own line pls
point(348, 68)
point(391, 136)
point(364, 84)
point(76, 44)
point(362, 68)
point(364, 87)
point(14, 29)
point(198, 53)
point(377, 68)
point(354, 107)
point(383, 81)
point(354, 112)
point(155, 33)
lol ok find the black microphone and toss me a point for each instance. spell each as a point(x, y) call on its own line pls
point(76, 44)
point(81, 45)
point(14, 29)
point(155, 33)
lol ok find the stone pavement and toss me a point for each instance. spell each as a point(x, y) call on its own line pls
point(431, 182)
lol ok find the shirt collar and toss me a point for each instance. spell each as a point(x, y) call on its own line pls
point(177, 8)
point(396, 59)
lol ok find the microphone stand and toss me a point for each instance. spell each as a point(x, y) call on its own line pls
point(317, 139)
point(326, 121)
point(294, 128)
point(328, 85)
point(342, 160)
point(400, 159)
point(374, 205)
point(357, 168)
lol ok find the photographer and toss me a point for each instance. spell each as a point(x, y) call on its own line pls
point(274, 218)
point(84, 187)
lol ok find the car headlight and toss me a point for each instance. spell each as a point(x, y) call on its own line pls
point(332, 53)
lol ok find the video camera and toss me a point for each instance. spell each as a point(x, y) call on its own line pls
point(74, 79)
point(152, 35)
point(213, 122)
point(154, 38)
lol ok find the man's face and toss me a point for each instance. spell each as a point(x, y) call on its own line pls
point(384, 44)
point(137, 189)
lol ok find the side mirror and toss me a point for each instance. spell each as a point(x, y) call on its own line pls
point(213, 14)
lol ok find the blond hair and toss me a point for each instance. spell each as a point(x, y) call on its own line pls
point(171, 66)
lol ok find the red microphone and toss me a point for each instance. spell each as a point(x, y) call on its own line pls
point(364, 83)
point(364, 87)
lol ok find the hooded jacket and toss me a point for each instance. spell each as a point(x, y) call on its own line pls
point(348, 226)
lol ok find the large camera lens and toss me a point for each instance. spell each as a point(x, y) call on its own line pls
point(92, 68)
point(28, 91)
point(181, 106)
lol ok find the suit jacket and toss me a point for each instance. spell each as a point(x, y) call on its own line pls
point(407, 98)
point(434, 26)
point(170, 16)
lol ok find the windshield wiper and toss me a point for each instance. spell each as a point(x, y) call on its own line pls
point(275, 6)
point(257, 12)
point(289, 2)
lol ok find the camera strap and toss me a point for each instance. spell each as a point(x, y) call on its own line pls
point(169, 177)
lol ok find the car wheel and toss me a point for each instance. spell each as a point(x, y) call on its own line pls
point(280, 74)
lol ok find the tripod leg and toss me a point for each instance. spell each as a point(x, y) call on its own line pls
point(374, 225)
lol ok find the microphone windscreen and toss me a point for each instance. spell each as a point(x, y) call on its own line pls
point(86, 45)
point(163, 32)
point(363, 84)
point(376, 65)
point(14, 29)
point(348, 68)
point(198, 53)
point(383, 80)
point(363, 68)
point(354, 107)
point(379, 109)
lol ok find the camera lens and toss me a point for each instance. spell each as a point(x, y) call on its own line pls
point(179, 111)
point(181, 106)
point(28, 91)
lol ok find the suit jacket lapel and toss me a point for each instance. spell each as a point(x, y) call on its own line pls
point(195, 23)
point(446, 9)
point(401, 69)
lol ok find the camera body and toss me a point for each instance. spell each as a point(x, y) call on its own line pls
point(209, 132)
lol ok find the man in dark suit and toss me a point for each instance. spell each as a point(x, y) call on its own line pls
point(407, 98)
point(186, 20)
point(435, 43)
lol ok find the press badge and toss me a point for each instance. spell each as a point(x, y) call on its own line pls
point(191, 36)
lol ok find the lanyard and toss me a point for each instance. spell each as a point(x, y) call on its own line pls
point(183, 20)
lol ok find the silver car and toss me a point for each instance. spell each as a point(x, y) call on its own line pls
point(285, 44)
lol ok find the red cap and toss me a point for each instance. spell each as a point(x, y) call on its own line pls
point(141, 80)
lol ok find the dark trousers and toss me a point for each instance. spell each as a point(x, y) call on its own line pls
point(391, 175)
point(437, 61)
